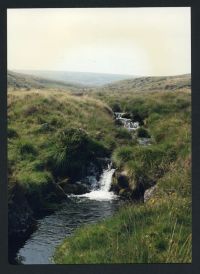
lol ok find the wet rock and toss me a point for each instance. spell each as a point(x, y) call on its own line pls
point(76, 188)
point(54, 193)
point(123, 186)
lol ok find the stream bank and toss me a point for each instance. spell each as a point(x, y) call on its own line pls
point(95, 205)
point(26, 210)
point(64, 194)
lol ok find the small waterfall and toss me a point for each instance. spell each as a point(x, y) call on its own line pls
point(52, 229)
point(102, 193)
point(106, 179)
point(126, 122)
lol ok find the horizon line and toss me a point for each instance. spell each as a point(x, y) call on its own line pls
point(108, 73)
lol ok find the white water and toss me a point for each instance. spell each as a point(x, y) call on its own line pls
point(51, 230)
point(127, 123)
point(103, 192)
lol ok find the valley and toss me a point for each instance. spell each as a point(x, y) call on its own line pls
point(63, 136)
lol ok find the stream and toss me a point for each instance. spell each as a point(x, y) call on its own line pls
point(82, 209)
point(91, 207)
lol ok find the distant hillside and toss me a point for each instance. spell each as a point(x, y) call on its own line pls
point(79, 82)
point(23, 81)
point(81, 78)
point(168, 83)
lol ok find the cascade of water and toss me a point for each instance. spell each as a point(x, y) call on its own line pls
point(102, 193)
point(106, 179)
point(52, 229)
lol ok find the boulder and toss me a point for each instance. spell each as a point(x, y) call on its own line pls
point(75, 188)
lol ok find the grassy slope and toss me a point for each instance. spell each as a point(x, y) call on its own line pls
point(170, 83)
point(159, 230)
point(87, 79)
point(42, 130)
point(18, 81)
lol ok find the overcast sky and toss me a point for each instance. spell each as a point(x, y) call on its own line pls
point(137, 41)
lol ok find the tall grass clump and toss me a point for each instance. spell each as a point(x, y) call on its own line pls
point(72, 153)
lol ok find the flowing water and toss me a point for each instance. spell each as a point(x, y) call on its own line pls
point(87, 208)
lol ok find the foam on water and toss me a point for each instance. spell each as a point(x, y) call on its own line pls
point(103, 192)
point(81, 209)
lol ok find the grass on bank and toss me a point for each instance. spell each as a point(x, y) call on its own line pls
point(158, 231)
point(53, 135)
point(40, 125)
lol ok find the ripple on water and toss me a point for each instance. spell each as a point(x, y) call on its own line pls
point(83, 209)
point(52, 229)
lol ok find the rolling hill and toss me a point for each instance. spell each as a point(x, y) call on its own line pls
point(53, 136)
point(79, 78)
point(165, 83)
point(23, 81)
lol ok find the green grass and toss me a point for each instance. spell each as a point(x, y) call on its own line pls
point(158, 231)
point(54, 136)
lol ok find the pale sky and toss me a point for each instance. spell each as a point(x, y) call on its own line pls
point(136, 41)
